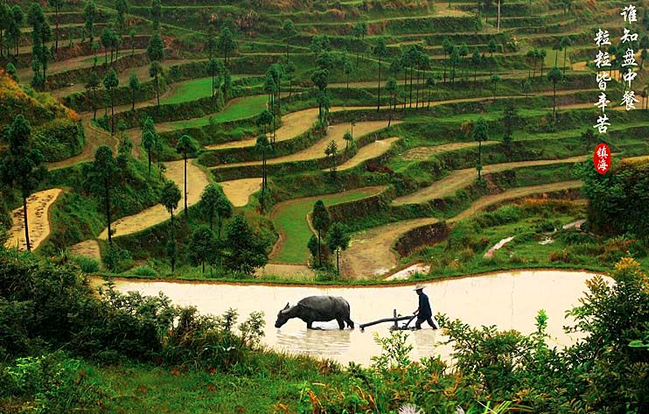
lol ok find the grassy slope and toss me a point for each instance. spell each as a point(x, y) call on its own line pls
point(241, 108)
point(148, 389)
point(191, 91)
point(290, 221)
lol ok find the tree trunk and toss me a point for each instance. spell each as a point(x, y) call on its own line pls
point(417, 86)
point(479, 159)
point(279, 99)
point(157, 90)
point(107, 206)
point(565, 52)
point(347, 91)
point(378, 102)
point(173, 240)
point(338, 261)
point(319, 250)
point(56, 42)
point(149, 151)
point(498, 16)
point(185, 196)
point(274, 117)
point(411, 87)
point(445, 66)
point(112, 112)
point(29, 247)
point(554, 98)
point(94, 106)
point(405, 83)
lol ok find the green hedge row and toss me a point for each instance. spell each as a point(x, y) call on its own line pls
point(281, 148)
point(286, 168)
point(506, 9)
point(125, 62)
point(175, 73)
point(66, 52)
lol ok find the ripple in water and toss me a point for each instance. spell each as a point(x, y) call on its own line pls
point(509, 300)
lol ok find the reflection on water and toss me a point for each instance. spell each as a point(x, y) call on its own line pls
point(331, 341)
point(508, 300)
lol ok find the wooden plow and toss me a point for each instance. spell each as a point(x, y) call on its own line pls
point(395, 319)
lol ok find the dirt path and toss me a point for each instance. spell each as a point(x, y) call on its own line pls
point(38, 214)
point(335, 133)
point(579, 66)
point(196, 181)
point(141, 104)
point(514, 193)
point(370, 252)
point(293, 125)
point(373, 150)
point(95, 138)
point(239, 191)
point(459, 179)
point(423, 153)
point(88, 248)
point(84, 61)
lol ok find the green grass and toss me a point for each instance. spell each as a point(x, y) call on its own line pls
point(191, 91)
point(268, 379)
point(290, 220)
point(239, 109)
point(530, 223)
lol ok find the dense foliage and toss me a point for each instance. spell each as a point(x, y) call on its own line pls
point(601, 373)
point(48, 306)
point(618, 201)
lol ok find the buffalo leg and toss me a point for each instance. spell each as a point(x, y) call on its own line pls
point(341, 324)
point(309, 325)
point(350, 323)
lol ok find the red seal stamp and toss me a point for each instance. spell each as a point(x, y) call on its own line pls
point(602, 158)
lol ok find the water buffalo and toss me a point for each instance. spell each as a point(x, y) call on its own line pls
point(317, 308)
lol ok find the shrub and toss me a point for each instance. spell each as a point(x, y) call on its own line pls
point(144, 271)
point(546, 226)
point(615, 249)
point(57, 384)
point(576, 237)
point(117, 259)
point(86, 264)
point(565, 256)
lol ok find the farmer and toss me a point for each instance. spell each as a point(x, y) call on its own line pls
point(424, 313)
